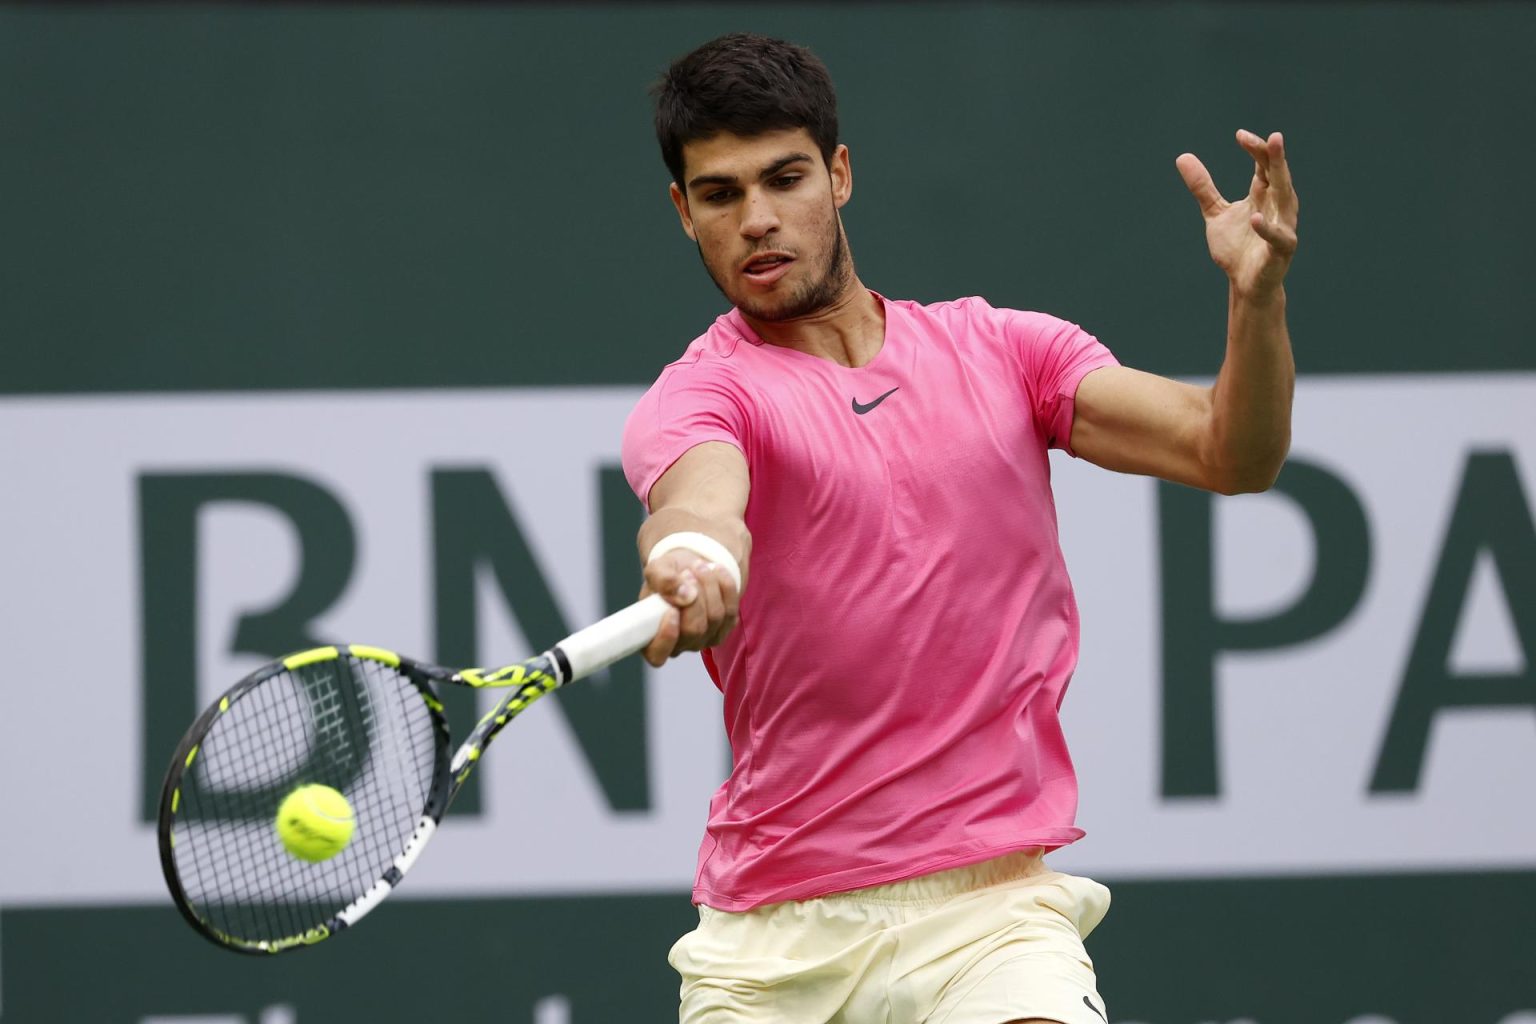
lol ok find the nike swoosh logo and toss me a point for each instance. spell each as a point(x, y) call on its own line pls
point(862, 409)
point(1095, 1009)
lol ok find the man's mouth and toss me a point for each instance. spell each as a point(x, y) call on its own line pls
point(767, 267)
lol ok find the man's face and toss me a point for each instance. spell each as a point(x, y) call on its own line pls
point(763, 210)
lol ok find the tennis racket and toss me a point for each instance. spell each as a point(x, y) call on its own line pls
point(366, 722)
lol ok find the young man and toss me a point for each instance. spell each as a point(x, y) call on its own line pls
point(851, 511)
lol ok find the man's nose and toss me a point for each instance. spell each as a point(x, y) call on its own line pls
point(759, 217)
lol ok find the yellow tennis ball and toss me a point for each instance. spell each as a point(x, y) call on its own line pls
point(315, 823)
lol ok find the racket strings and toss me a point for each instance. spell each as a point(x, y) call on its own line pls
point(355, 725)
point(220, 856)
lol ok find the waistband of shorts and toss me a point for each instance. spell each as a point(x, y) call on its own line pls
point(940, 886)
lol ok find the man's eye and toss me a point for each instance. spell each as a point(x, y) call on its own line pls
point(717, 197)
point(787, 181)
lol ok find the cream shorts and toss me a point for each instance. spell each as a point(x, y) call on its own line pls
point(985, 944)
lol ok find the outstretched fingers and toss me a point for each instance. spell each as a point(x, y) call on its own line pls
point(1280, 171)
point(1259, 150)
point(1198, 180)
point(1270, 166)
point(1274, 219)
point(1280, 235)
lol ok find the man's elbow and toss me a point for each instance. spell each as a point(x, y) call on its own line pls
point(1246, 483)
point(1252, 475)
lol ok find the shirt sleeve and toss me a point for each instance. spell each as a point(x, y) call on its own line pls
point(1054, 356)
point(687, 406)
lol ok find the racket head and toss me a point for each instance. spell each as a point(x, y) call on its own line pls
point(361, 720)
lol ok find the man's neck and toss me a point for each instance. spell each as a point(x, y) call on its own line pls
point(849, 332)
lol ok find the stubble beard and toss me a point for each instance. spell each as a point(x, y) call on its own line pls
point(809, 297)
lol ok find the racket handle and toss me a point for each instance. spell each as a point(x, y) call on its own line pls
point(618, 636)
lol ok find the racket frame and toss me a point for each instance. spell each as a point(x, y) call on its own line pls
point(577, 656)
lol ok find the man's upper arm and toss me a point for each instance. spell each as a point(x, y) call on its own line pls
point(1136, 422)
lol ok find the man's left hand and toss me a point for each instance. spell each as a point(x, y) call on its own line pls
point(1253, 239)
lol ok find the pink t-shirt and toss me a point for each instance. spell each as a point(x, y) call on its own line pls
point(908, 628)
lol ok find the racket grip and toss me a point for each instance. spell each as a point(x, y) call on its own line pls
point(618, 636)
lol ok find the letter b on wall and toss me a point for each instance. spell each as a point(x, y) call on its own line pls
point(170, 505)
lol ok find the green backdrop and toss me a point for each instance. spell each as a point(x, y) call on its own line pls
point(236, 197)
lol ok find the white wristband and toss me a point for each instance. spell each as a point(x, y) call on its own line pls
point(702, 545)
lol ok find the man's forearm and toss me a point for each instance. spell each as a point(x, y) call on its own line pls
point(1252, 396)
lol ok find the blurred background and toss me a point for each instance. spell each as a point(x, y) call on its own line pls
point(320, 322)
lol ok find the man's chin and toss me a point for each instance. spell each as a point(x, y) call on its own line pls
point(768, 313)
point(774, 309)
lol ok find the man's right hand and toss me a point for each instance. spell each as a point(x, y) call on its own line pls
point(704, 598)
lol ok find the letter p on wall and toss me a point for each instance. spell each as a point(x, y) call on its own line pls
point(1333, 675)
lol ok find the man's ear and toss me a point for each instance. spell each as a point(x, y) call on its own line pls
point(681, 202)
point(841, 172)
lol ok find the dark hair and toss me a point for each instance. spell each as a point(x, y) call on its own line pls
point(743, 84)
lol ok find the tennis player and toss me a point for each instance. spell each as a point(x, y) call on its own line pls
point(875, 470)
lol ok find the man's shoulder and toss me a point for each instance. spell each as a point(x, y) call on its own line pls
point(712, 356)
point(966, 320)
point(723, 341)
point(965, 309)
point(974, 315)
point(938, 307)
